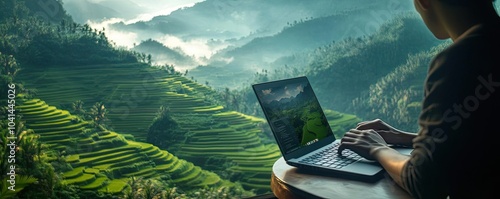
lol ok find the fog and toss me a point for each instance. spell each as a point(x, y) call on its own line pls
point(238, 36)
point(101, 14)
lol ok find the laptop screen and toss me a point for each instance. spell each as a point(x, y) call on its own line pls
point(293, 112)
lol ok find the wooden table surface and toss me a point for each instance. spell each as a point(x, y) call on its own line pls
point(288, 182)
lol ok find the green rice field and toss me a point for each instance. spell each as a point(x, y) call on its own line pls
point(222, 141)
point(95, 160)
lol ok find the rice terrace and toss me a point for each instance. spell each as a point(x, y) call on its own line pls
point(133, 99)
point(218, 148)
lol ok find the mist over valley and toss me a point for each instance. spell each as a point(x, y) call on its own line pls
point(239, 38)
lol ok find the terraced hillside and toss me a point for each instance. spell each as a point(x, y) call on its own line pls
point(229, 140)
point(226, 142)
point(104, 160)
point(234, 146)
point(131, 92)
point(236, 143)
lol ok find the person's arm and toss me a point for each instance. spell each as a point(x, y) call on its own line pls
point(398, 137)
point(422, 174)
point(390, 134)
point(426, 174)
point(393, 162)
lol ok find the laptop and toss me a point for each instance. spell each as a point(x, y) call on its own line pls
point(303, 133)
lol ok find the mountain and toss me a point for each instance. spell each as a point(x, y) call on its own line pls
point(299, 37)
point(343, 71)
point(85, 10)
point(223, 19)
point(302, 36)
point(165, 55)
point(346, 69)
point(49, 11)
point(397, 96)
point(74, 154)
point(245, 36)
point(229, 21)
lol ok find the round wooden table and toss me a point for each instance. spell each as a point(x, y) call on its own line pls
point(288, 182)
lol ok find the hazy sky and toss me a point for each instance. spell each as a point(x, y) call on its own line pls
point(151, 9)
point(160, 7)
point(279, 93)
point(155, 7)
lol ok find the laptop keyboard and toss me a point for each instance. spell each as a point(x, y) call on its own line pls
point(329, 157)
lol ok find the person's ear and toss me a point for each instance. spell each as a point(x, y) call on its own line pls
point(423, 4)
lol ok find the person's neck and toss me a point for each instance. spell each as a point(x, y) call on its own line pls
point(457, 20)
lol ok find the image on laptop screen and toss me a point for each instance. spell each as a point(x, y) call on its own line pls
point(293, 112)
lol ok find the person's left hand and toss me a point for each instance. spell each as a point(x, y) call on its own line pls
point(363, 142)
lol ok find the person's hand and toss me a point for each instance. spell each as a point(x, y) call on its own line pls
point(390, 134)
point(377, 125)
point(363, 142)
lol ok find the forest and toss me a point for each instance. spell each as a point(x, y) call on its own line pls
point(85, 117)
point(93, 120)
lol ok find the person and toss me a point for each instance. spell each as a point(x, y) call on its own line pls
point(455, 151)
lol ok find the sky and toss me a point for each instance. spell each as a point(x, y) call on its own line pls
point(154, 7)
point(161, 7)
point(278, 93)
point(158, 4)
point(197, 48)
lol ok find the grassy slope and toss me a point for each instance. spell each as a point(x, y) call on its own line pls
point(396, 97)
point(107, 152)
point(348, 68)
point(133, 93)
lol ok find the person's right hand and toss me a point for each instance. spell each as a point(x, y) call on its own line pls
point(390, 134)
point(376, 125)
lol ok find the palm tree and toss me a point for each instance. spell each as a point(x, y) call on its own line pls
point(9, 65)
point(4, 150)
point(27, 152)
point(98, 113)
point(145, 189)
point(152, 189)
point(29, 149)
point(78, 107)
point(149, 59)
point(22, 181)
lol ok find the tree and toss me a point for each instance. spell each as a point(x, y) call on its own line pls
point(98, 113)
point(139, 188)
point(27, 157)
point(78, 107)
point(21, 182)
point(164, 130)
point(9, 65)
point(29, 149)
point(149, 59)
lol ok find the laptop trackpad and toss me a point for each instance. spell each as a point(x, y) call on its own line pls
point(364, 166)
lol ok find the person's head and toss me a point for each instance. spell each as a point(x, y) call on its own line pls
point(439, 14)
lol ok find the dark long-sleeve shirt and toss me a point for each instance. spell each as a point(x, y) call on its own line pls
point(457, 145)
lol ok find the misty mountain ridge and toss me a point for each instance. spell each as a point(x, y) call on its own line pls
point(233, 19)
point(341, 72)
point(304, 97)
point(286, 100)
point(85, 10)
point(246, 36)
point(295, 46)
point(304, 35)
point(162, 54)
point(235, 23)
